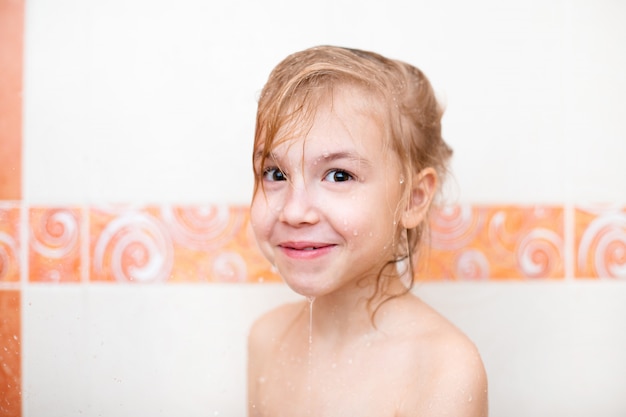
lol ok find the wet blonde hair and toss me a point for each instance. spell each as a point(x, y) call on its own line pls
point(400, 95)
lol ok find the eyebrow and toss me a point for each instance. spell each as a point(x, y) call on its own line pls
point(351, 156)
point(257, 155)
point(327, 157)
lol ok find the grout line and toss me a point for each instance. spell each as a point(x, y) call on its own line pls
point(24, 233)
point(85, 236)
point(569, 236)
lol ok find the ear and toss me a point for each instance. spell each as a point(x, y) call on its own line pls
point(420, 196)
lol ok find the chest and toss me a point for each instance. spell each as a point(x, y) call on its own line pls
point(308, 382)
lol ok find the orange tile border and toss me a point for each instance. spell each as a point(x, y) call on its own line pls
point(9, 242)
point(11, 65)
point(10, 354)
point(214, 243)
point(201, 243)
point(129, 244)
point(495, 243)
point(600, 242)
point(55, 244)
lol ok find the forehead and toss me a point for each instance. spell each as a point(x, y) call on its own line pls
point(345, 116)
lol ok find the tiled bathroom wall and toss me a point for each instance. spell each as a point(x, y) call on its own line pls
point(78, 246)
point(214, 243)
point(168, 244)
point(11, 49)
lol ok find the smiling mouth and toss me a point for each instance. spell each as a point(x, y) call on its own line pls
point(305, 248)
point(302, 248)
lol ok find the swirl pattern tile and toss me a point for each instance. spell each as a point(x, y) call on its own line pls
point(600, 234)
point(9, 243)
point(494, 243)
point(214, 243)
point(55, 244)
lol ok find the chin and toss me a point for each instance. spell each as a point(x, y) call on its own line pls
point(305, 291)
point(306, 288)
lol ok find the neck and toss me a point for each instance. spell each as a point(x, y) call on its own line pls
point(353, 312)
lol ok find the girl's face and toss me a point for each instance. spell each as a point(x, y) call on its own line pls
point(328, 211)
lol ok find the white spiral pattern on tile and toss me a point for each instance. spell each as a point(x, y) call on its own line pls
point(472, 265)
point(229, 267)
point(454, 227)
point(56, 235)
point(605, 241)
point(136, 247)
point(201, 228)
point(539, 252)
point(8, 254)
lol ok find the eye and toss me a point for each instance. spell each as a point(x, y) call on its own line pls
point(273, 174)
point(338, 175)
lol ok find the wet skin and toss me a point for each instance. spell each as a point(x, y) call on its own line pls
point(329, 215)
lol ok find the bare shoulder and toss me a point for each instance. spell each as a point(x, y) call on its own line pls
point(269, 327)
point(450, 377)
point(263, 338)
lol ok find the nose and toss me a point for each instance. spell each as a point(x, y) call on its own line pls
point(299, 207)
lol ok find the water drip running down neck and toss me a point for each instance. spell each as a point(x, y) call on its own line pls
point(310, 361)
point(311, 301)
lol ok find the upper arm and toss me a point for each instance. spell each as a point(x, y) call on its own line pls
point(456, 387)
point(466, 382)
point(257, 351)
point(262, 339)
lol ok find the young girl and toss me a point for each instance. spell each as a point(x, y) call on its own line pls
point(347, 159)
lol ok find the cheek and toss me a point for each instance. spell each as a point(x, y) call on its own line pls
point(261, 225)
point(259, 216)
point(366, 227)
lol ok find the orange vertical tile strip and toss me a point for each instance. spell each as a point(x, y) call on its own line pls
point(10, 366)
point(11, 65)
point(11, 54)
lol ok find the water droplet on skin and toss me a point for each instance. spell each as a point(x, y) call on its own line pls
point(401, 180)
point(355, 232)
point(311, 300)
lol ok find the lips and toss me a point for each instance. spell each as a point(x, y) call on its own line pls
point(305, 250)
